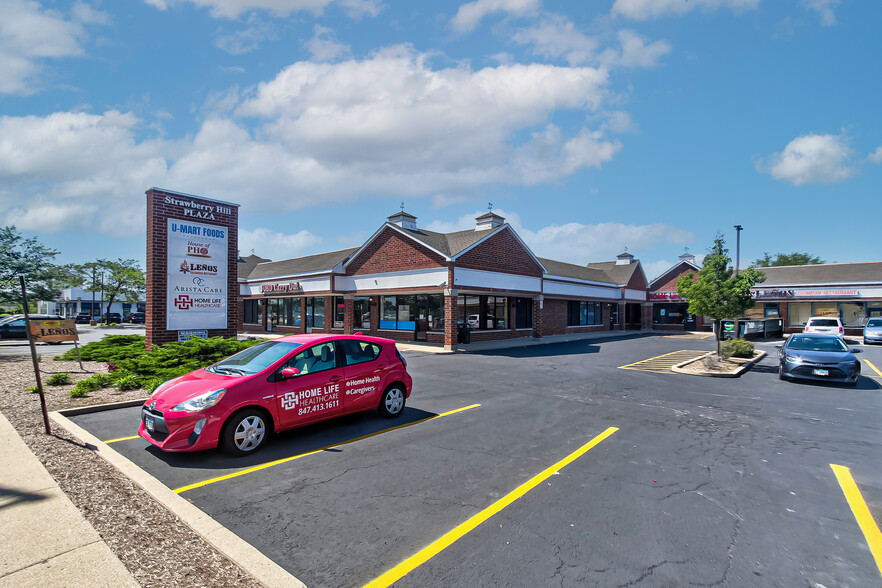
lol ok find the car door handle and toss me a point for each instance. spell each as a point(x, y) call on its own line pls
point(336, 378)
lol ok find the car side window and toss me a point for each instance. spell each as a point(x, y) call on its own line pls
point(359, 351)
point(18, 323)
point(314, 359)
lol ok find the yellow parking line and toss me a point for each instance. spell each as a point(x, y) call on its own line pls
point(122, 439)
point(875, 369)
point(448, 539)
point(662, 363)
point(861, 512)
point(270, 464)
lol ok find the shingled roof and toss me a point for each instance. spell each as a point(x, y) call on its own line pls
point(247, 264)
point(450, 244)
point(606, 272)
point(820, 274)
point(301, 265)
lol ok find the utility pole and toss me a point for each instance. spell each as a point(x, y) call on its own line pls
point(738, 229)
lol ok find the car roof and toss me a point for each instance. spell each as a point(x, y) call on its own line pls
point(834, 318)
point(818, 335)
point(311, 338)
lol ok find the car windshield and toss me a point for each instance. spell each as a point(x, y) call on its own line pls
point(875, 323)
point(253, 359)
point(825, 323)
point(803, 343)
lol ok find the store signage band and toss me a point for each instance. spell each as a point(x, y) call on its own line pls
point(806, 293)
point(276, 288)
point(199, 210)
point(197, 276)
point(664, 296)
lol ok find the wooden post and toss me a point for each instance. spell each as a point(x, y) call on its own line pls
point(24, 295)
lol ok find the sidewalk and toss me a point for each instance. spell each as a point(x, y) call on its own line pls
point(45, 539)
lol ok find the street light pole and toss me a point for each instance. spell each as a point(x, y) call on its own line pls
point(738, 229)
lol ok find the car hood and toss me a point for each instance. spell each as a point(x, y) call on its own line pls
point(823, 356)
point(189, 386)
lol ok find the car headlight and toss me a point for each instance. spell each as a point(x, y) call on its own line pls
point(792, 358)
point(201, 402)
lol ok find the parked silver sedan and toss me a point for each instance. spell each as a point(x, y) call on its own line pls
point(813, 356)
point(873, 331)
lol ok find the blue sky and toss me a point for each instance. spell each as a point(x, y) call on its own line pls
point(591, 126)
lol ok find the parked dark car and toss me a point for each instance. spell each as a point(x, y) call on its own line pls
point(139, 317)
point(821, 357)
point(112, 317)
point(83, 318)
point(14, 327)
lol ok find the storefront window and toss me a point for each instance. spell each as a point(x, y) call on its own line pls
point(853, 314)
point(798, 313)
point(484, 312)
point(771, 309)
point(669, 314)
point(315, 312)
point(874, 309)
point(417, 312)
point(583, 313)
point(253, 312)
point(826, 309)
point(339, 308)
point(362, 305)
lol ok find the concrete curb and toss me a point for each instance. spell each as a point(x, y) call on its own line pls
point(240, 552)
point(737, 373)
point(100, 407)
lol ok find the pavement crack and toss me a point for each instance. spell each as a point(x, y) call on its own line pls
point(649, 571)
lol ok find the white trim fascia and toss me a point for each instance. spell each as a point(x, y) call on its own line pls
point(579, 281)
point(399, 230)
point(490, 234)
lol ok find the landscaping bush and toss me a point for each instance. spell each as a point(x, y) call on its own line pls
point(131, 366)
point(736, 348)
point(59, 379)
point(91, 384)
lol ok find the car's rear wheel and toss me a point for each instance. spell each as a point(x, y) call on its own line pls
point(392, 402)
point(245, 432)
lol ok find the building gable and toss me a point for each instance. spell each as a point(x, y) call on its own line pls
point(667, 282)
point(638, 279)
point(391, 251)
point(501, 252)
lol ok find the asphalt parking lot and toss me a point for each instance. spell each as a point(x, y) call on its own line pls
point(703, 481)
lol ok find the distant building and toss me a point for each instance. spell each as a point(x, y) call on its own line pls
point(76, 300)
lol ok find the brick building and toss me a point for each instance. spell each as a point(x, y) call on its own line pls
point(408, 283)
point(669, 311)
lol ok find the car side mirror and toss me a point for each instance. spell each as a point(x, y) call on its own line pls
point(290, 372)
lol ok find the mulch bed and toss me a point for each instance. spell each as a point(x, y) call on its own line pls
point(156, 547)
point(714, 364)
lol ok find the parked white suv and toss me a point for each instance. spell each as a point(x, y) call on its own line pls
point(824, 324)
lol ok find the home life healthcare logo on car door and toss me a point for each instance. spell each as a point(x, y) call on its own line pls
point(197, 276)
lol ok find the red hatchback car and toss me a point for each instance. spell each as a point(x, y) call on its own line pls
point(274, 386)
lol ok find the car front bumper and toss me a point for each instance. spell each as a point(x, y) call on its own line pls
point(176, 431)
point(843, 373)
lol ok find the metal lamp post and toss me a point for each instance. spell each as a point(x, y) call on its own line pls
point(738, 229)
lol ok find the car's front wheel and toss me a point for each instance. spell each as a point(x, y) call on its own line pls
point(245, 432)
point(781, 372)
point(392, 402)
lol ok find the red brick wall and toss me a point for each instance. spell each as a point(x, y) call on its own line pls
point(391, 252)
point(158, 213)
point(637, 281)
point(554, 317)
point(501, 253)
point(668, 281)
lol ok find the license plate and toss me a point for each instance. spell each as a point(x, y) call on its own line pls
point(148, 421)
point(821, 372)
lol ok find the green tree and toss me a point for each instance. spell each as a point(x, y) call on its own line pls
point(120, 279)
point(31, 259)
point(716, 291)
point(794, 258)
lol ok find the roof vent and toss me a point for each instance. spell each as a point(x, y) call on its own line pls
point(624, 258)
point(488, 220)
point(404, 220)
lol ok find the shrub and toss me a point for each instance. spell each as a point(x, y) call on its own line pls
point(128, 382)
point(59, 379)
point(111, 348)
point(736, 348)
point(112, 367)
point(33, 389)
point(91, 384)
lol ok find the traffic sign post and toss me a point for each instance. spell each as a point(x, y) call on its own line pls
point(24, 295)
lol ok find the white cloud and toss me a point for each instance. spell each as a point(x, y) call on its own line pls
point(812, 159)
point(247, 39)
point(234, 8)
point(388, 125)
point(875, 156)
point(275, 245)
point(649, 9)
point(556, 37)
point(469, 15)
point(323, 47)
point(637, 53)
point(824, 8)
point(580, 243)
point(30, 34)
